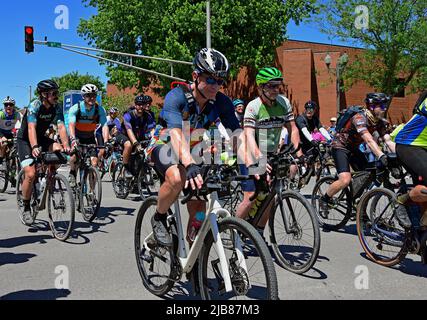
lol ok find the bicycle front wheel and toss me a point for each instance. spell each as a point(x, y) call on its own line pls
point(338, 215)
point(295, 233)
point(249, 263)
point(90, 194)
point(4, 178)
point(61, 207)
point(381, 236)
point(120, 183)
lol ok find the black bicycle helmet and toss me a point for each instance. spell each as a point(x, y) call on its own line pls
point(141, 100)
point(46, 86)
point(376, 98)
point(311, 104)
point(212, 62)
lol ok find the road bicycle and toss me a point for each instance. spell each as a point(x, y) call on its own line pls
point(12, 166)
point(51, 190)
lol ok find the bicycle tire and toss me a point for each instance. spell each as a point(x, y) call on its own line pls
point(344, 198)
point(57, 233)
point(120, 187)
point(243, 228)
point(4, 178)
point(304, 259)
point(364, 223)
point(91, 215)
point(144, 219)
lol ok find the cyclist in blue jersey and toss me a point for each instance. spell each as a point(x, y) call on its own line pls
point(83, 119)
point(199, 104)
point(8, 119)
point(32, 139)
point(137, 125)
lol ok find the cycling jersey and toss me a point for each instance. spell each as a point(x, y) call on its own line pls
point(88, 121)
point(8, 122)
point(178, 109)
point(351, 136)
point(141, 126)
point(111, 123)
point(414, 132)
point(273, 118)
point(42, 117)
point(303, 122)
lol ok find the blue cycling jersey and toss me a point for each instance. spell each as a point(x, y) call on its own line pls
point(140, 125)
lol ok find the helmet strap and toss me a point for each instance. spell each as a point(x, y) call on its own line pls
point(198, 90)
point(265, 96)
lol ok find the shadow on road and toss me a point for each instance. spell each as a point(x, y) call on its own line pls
point(47, 294)
point(105, 212)
point(413, 268)
point(21, 241)
point(15, 258)
point(348, 229)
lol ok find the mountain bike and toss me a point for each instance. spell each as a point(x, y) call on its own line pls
point(53, 189)
point(228, 258)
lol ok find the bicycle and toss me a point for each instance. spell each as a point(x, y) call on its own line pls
point(13, 166)
point(145, 180)
point(88, 191)
point(345, 202)
point(53, 188)
point(219, 261)
point(384, 241)
point(318, 163)
point(108, 162)
point(293, 228)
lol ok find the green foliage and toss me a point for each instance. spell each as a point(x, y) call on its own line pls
point(74, 81)
point(395, 41)
point(247, 32)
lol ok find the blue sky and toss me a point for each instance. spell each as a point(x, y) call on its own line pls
point(19, 70)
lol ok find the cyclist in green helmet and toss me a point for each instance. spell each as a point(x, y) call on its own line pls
point(271, 111)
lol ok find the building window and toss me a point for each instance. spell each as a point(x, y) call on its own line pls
point(401, 92)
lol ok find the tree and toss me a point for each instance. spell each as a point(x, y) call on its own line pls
point(393, 32)
point(74, 81)
point(247, 32)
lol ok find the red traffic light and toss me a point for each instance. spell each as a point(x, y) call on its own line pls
point(29, 39)
point(29, 30)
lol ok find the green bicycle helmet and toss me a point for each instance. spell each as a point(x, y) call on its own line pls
point(268, 74)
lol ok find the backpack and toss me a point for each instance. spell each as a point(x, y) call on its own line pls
point(346, 115)
point(95, 116)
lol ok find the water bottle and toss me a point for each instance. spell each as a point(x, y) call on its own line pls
point(196, 224)
point(42, 184)
point(38, 186)
point(257, 204)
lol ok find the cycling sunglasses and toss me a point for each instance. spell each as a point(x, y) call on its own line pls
point(212, 81)
point(54, 93)
point(9, 105)
point(90, 95)
point(383, 106)
point(272, 86)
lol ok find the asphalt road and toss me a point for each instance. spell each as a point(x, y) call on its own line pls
point(100, 263)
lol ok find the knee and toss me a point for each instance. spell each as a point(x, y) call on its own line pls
point(345, 180)
point(30, 173)
point(175, 179)
point(128, 145)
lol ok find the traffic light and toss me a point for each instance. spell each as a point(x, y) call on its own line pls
point(29, 39)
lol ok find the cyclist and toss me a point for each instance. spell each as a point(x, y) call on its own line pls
point(271, 111)
point(411, 149)
point(9, 118)
point(360, 128)
point(199, 104)
point(32, 139)
point(307, 124)
point(83, 119)
point(332, 131)
point(239, 109)
point(114, 126)
point(137, 125)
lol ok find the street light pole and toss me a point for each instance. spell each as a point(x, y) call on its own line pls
point(208, 24)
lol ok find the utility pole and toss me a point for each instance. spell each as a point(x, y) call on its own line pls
point(208, 24)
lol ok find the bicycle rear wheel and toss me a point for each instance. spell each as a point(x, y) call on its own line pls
point(381, 236)
point(90, 194)
point(337, 215)
point(296, 251)
point(61, 207)
point(4, 177)
point(155, 263)
point(250, 264)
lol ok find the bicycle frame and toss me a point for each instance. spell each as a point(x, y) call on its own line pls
point(187, 261)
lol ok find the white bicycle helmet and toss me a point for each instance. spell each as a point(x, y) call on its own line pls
point(88, 89)
point(9, 100)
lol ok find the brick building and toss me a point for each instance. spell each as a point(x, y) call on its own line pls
point(308, 77)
